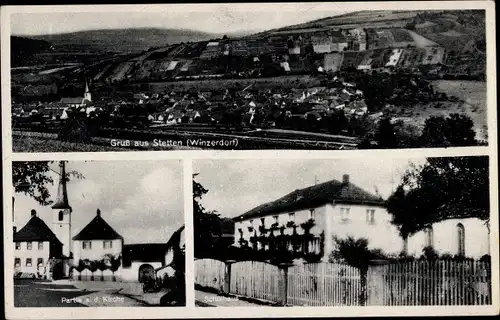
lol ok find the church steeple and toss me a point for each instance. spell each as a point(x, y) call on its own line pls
point(87, 95)
point(62, 192)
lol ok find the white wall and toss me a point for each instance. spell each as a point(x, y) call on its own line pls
point(34, 254)
point(446, 238)
point(381, 234)
point(97, 251)
point(131, 274)
point(62, 229)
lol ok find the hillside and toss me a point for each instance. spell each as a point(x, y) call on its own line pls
point(122, 40)
point(22, 50)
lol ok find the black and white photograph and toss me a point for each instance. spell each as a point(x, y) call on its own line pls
point(308, 76)
point(342, 232)
point(98, 234)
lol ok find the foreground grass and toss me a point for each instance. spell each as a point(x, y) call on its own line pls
point(35, 144)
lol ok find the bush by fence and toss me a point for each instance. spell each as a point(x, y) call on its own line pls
point(403, 283)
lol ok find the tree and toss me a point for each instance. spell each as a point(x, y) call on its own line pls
point(355, 252)
point(101, 265)
point(32, 178)
point(386, 134)
point(452, 131)
point(207, 226)
point(113, 263)
point(80, 267)
point(442, 188)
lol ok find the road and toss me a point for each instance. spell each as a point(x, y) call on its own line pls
point(38, 293)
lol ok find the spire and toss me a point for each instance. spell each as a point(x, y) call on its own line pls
point(62, 193)
point(87, 95)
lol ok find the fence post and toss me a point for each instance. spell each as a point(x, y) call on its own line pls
point(227, 276)
point(283, 283)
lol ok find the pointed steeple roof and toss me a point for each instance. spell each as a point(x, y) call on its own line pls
point(86, 87)
point(62, 192)
point(36, 230)
point(98, 229)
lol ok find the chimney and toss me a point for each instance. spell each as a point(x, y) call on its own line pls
point(33, 212)
point(345, 179)
point(98, 212)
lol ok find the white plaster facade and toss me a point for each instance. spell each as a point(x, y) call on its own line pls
point(446, 238)
point(95, 249)
point(22, 252)
point(336, 219)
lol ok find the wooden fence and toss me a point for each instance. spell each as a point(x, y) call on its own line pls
point(423, 283)
point(210, 273)
point(324, 284)
point(256, 279)
point(413, 283)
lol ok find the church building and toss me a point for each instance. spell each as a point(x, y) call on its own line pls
point(41, 251)
point(78, 101)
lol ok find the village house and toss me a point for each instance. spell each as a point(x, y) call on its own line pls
point(338, 208)
point(34, 245)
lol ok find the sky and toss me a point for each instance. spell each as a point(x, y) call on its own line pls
point(211, 18)
point(246, 184)
point(142, 200)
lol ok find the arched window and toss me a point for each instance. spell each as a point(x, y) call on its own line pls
point(429, 237)
point(461, 239)
point(61, 215)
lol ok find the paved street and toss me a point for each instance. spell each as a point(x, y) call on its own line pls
point(38, 293)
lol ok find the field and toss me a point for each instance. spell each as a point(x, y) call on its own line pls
point(207, 85)
point(23, 143)
point(474, 95)
point(420, 41)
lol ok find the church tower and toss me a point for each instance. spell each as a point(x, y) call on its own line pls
point(87, 96)
point(61, 215)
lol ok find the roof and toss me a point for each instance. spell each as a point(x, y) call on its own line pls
point(36, 230)
point(97, 229)
point(71, 100)
point(315, 196)
point(145, 252)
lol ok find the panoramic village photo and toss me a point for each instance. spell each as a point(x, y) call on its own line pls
point(342, 232)
point(98, 234)
point(247, 76)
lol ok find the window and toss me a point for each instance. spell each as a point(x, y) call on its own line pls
point(251, 222)
point(18, 245)
point(107, 244)
point(17, 262)
point(275, 219)
point(86, 245)
point(429, 237)
point(40, 245)
point(461, 239)
point(312, 214)
point(291, 216)
point(405, 245)
point(39, 262)
point(344, 214)
point(61, 215)
point(28, 262)
point(370, 216)
point(263, 221)
point(29, 245)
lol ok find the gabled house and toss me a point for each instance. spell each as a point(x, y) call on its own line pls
point(34, 245)
point(96, 239)
point(337, 208)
